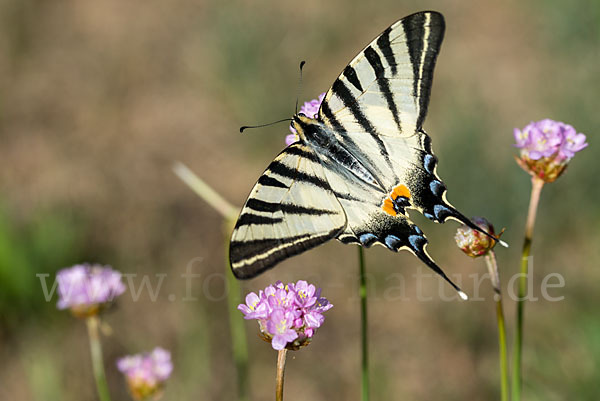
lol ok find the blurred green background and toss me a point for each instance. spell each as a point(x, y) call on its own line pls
point(98, 98)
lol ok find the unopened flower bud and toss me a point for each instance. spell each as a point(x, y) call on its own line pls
point(472, 242)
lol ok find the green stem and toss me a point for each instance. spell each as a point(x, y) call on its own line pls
point(490, 259)
point(281, 356)
point(229, 213)
point(97, 362)
point(363, 326)
point(517, 380)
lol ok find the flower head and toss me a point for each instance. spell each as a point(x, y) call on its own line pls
point(309, 109)
point(472, 242)
point(86, 289)
point(146, 373)
point(288, 315)
point(547, 146)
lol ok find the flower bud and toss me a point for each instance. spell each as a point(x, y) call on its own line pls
point(474, 243)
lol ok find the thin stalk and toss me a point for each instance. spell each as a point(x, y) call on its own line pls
point(517, 380)
point(363, 327)
point(490, 259)
point(97, 362)
point(280, 372)
point(229, 213)
point(203, 190)
point(238, 332)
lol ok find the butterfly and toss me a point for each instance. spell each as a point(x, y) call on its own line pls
point(359, 165)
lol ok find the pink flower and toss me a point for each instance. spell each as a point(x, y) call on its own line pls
point(547, 146)
point(146, 373)
point(86, 289)
point(288, 315)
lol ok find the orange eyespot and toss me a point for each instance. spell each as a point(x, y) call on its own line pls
point(388, 207)
point(400, 190)
point(388, 203)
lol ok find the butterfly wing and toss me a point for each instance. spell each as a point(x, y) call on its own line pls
point(291, 209)
point(385, 89)
point(377, 106)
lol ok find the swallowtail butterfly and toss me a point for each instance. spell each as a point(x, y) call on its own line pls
point(359, 165)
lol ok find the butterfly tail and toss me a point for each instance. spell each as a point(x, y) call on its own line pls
point(405, 235)
point(418, 248)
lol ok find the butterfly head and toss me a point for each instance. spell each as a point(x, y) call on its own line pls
point(301, 123)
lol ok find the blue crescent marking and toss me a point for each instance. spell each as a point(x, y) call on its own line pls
point(436, 187)
point(391, 241)
point(417, 242)
point(429, 163)
point(367, 238)
point(437, 209)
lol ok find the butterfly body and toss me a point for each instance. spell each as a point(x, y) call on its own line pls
point(331, 152)
point(359, 165)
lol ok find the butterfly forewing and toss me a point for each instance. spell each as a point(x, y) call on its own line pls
point(385, 89)
point(378, 104)
point(290, 209)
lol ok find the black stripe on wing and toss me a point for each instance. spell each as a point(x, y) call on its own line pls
point(247, 219)
point(278, 249)
point(288, 208)
point(424, 34)
point(302, 152)
point(288, 172)
point(341, 90)
point(271, 182)
point(383, 42)
point(325, 111)
point(383, 83)
point(352, 77)
point(285, 171)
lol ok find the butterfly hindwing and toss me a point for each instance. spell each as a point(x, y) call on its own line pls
point(368, 224)
point(290, 209)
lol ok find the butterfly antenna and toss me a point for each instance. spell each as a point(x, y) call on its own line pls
point(242, 128)
point(299, 85)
